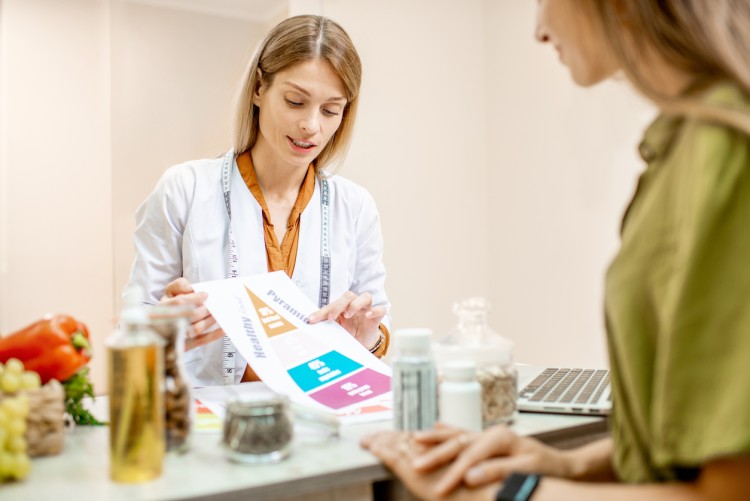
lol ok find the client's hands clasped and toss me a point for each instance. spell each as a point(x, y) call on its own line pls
point(446, 461)
point(417, 459)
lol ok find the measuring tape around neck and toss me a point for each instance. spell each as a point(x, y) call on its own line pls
point(230, 372)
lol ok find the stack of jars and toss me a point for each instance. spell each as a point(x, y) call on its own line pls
point(472, 340)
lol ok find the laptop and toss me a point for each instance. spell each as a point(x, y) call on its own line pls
point(564, 391)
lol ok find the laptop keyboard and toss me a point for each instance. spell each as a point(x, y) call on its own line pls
point(579, 386)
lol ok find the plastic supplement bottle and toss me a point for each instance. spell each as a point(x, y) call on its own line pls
point(414, 380)
point(136, 396)
point(461, 396)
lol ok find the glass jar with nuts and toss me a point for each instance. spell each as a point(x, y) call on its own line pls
point(171, 323)
point(473, 340)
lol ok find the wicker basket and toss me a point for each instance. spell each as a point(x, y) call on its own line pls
point(45, 424)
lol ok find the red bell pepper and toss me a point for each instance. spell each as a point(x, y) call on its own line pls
point(55, 347)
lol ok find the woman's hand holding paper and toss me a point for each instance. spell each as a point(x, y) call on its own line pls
point(356, 314)
point(203, 327)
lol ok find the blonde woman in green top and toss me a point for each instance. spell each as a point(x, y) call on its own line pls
point(677, 293)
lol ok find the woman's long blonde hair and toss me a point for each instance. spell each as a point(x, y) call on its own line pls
point(706, 39)
point(296, 40)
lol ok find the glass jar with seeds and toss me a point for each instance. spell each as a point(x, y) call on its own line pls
point(473, 340)
point(258, 428)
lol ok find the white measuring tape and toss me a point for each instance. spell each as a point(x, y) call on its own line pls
point(229, 369)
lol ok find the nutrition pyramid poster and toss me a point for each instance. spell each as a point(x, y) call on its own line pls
point(322, 365)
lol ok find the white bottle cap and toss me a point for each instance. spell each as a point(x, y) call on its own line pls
point(417, 340)
point(132, 307)
point(460, 370)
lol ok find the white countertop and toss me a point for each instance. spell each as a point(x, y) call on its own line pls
point(316, 464)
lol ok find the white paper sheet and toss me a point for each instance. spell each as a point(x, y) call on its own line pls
point(316, 365)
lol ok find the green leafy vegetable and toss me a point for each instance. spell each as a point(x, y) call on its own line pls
point(77, 387)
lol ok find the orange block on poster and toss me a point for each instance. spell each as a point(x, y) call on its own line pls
point(273, 323)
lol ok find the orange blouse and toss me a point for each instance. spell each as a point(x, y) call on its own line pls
point(284, 256)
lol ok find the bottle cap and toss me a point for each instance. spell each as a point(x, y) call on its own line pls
point(460, 370)
point(417, 340)
point(133, 311)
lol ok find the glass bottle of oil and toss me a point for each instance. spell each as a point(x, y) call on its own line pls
point(136, 396)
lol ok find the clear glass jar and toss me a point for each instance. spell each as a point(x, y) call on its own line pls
point(171, 323)
point(473, 340)
point(258, 428)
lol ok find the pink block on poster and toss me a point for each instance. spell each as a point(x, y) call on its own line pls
point(356, 388)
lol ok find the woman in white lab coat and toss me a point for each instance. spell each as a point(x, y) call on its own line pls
point(269, 205)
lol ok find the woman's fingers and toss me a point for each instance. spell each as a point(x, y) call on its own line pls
point(180, 292)
point(384, 438)
point(493, 442)
point(393, 443)
point(334, 309)
point(349, 305)
point(200, 318)
point(199, 313)
point(188, 299)
point(361, 302)
point(440, 433)
point(385, 449)
point(203, 324)
point(396, 451)
point(177, 287)
point(203, 339)
point(443, 453)
point(492, 470)
point(376, 313)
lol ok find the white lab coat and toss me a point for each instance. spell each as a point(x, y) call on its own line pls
point(182, 230)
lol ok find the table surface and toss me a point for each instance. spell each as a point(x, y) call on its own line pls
point(317, 463)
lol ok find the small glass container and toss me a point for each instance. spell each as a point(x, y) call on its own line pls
point(171, 323)
point(258, 428)
point(473, 340)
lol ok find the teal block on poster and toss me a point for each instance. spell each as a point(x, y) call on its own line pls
point(322, 370)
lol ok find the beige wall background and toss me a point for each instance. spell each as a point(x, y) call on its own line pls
point(562, 164)
point(493, 173)
point(55, 175)
point(174, 75)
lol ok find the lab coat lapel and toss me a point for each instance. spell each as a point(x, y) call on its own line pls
point(307, 268)
point(247, 226)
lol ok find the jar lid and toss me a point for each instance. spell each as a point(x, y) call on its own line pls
point(415, 340)
point(262, 403)
point(460, 370)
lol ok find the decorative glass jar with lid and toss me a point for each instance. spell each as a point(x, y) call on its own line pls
point(473, 340)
